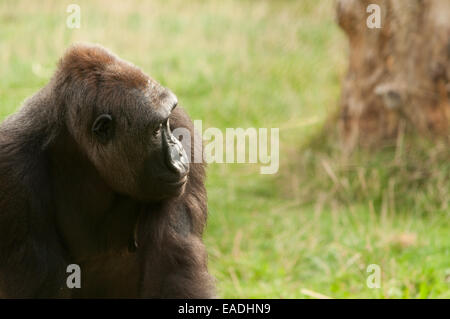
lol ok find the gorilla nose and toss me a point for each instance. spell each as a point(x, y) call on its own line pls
point(179, 160)
point(176, 157)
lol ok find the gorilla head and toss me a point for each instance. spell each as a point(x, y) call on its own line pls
point(120, 120)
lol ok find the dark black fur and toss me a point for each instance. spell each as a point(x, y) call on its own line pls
point(66, 200)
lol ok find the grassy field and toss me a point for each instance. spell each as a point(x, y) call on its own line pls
point(318, 223)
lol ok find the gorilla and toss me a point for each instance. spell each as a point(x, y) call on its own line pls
point(91, 174)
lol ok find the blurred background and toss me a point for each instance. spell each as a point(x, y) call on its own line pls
point(363, 116)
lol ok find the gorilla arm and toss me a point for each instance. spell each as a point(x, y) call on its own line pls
point(31, 262)
point(175, 260)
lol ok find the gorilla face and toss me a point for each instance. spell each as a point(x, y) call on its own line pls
point(166, 165)
point(139, 155)
point(129, 140)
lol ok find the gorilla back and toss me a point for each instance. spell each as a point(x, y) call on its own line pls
point(91, 174)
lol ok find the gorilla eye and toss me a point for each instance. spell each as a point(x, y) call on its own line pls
point(103, 128)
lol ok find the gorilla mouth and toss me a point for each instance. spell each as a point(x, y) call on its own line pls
point(174, 181)
point(177, 183)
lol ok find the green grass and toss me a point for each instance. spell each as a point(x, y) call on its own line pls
point(322, 219)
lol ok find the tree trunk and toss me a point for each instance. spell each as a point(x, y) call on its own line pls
point(398, 73)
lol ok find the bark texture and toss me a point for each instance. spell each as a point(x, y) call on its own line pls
point(398, 74)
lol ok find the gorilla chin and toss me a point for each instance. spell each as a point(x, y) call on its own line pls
point(169, 189)
point(175, 189)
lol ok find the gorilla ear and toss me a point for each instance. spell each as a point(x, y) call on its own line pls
point(103, 128)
